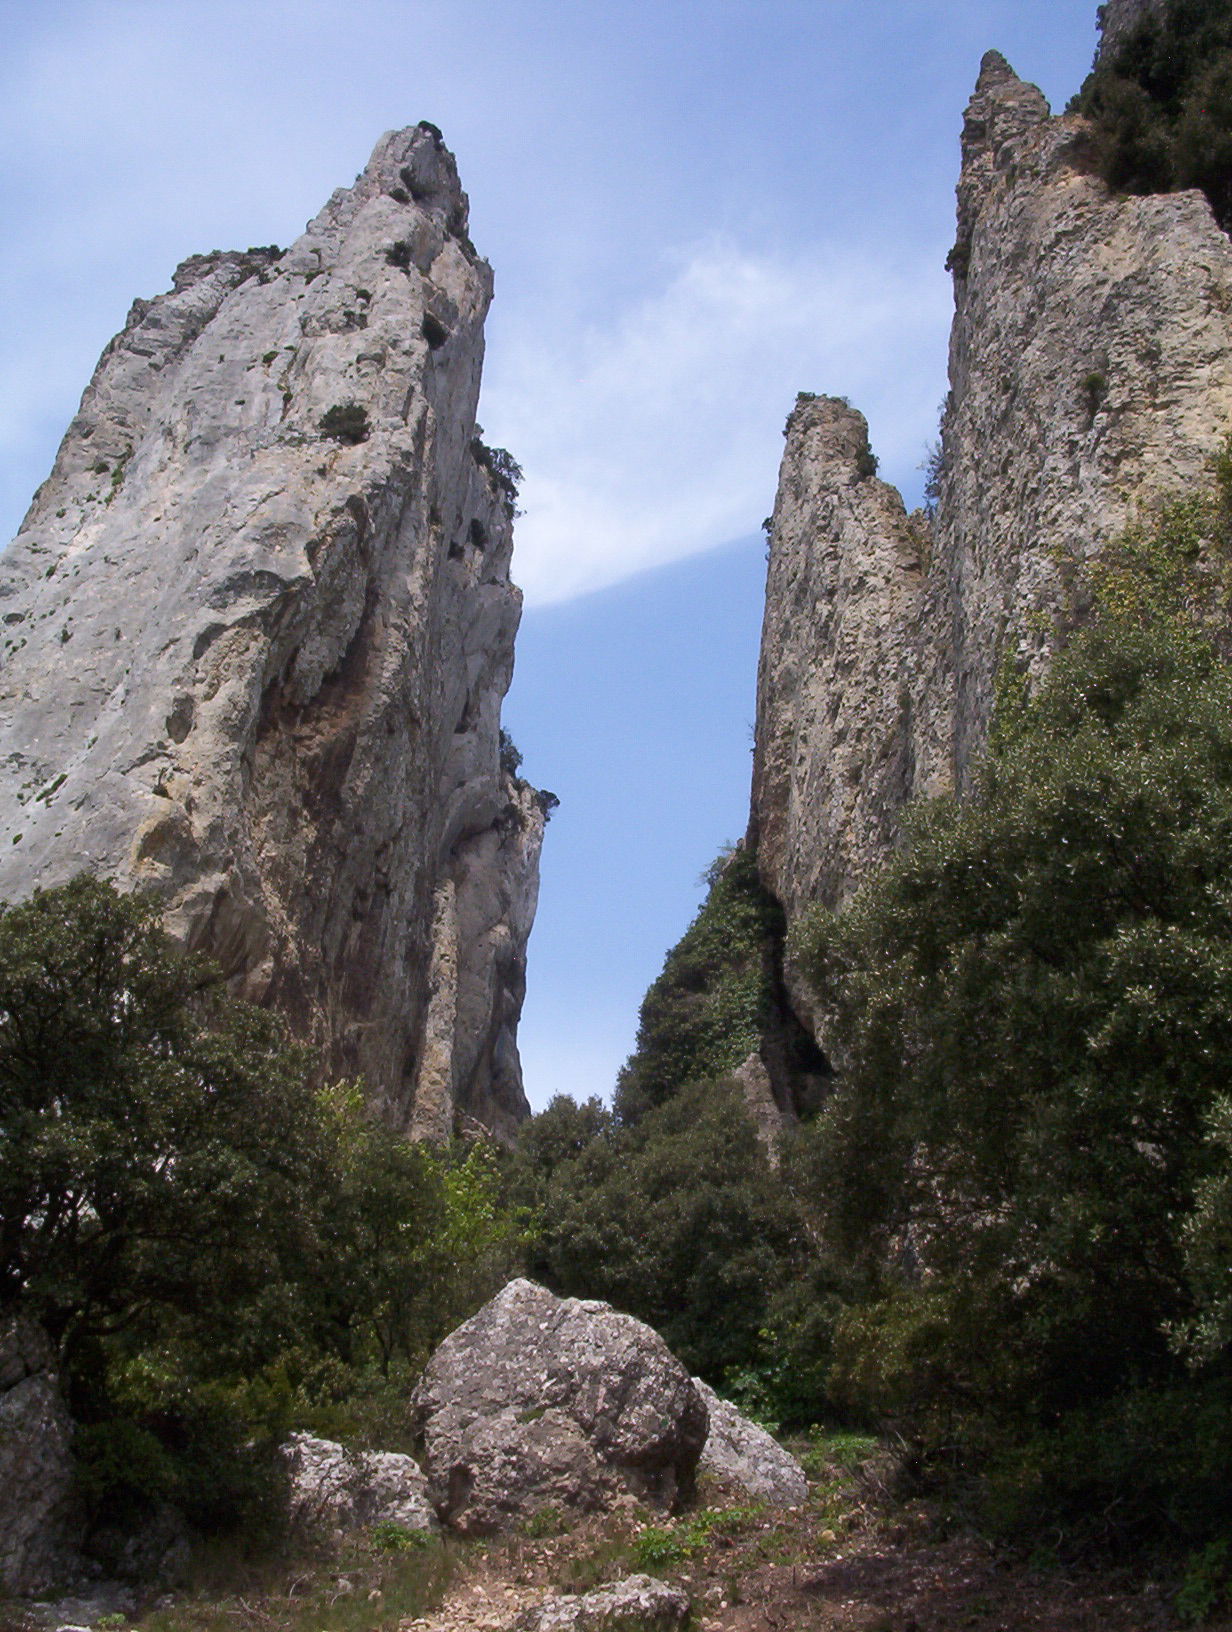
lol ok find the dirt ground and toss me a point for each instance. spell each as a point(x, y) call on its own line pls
point(853, 1559)
point(837, 1565)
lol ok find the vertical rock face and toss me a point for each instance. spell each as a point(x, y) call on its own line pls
point(259, 667)
point(1090, 371)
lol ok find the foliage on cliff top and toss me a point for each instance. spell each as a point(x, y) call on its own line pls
point(1162, 105)
point(704, 1014)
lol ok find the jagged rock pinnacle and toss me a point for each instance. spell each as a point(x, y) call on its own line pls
point(256, 629)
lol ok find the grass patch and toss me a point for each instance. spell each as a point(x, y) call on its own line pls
point(372, 1584)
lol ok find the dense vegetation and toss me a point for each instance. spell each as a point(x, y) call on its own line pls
point(1162, 105)
point(667, 1205)
point(1025, 1168)
point(219, 1250)
point(707, 1011)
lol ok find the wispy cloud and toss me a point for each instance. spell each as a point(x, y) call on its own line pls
point(658, 435)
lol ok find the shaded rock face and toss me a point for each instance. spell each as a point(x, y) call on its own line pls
point(1119, 18)
point(259, 668)
point(1090, 373)
point(38, 1521)
point(539, 1401)
point(737, 1452)
point(343, 1490)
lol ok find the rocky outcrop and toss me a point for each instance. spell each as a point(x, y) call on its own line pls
point(256, 629)
point(539, 1402)
point(38, 1521)
point(639, 1603)
point(1090, 372)
point(338, 1490)
point(739, 1453)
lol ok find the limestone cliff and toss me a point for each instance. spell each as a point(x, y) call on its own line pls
point(1090, 370)
point(256, 629)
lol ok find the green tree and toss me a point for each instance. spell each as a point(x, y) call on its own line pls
point(678, 1219)
point(220, 1249)
point(1035, 1004)
point(1162, 104)
point(156, 1141)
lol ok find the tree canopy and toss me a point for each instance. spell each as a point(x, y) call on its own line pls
point(1026, 1157)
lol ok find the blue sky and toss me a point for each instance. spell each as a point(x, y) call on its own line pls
point(694, 209)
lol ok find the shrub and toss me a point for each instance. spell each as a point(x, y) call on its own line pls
point(346, 422)
point(501, 466)
point(705, 1013)
point(1162, 105)
point(510, 755)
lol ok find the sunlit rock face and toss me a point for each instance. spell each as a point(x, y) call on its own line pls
point(1090, 372)
point(256, 663)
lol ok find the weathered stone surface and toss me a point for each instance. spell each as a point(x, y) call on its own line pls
point(843, 653)
point(38, 1524)
point(344, 1490)
point(1118, 18)
point(539, 1401)
point(770, 1123)
point(738, 1452)
point(260, 668)
point(639, 1603)
point(1090, 374)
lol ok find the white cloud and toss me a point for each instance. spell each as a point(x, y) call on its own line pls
point(658, 435)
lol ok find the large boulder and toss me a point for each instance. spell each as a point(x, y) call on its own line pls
point(738, 1452)
point(539, 1401)
point(343, 1490)
point(38, 1526)
point(638, 1602)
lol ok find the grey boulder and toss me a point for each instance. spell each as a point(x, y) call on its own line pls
point(539, 1401)
point(37, 1519)
point(342, 1490)
point(739, 1452)
point(637, 1604)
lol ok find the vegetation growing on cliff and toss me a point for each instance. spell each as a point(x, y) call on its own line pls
point(1162, 105)
point(706, 1012)
point(678, 1219)
point(1026, 1163)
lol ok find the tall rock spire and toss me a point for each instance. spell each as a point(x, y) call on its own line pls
point(256, 629)
point(1090, 372)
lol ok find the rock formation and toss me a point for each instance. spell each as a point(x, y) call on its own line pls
point(740, 1453)
point(39, 1524)
point(638, 1602)
point(256, 629)
point(539, 1401)
point(1090, 372)
point(337, 1490)
point(1118, 18)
